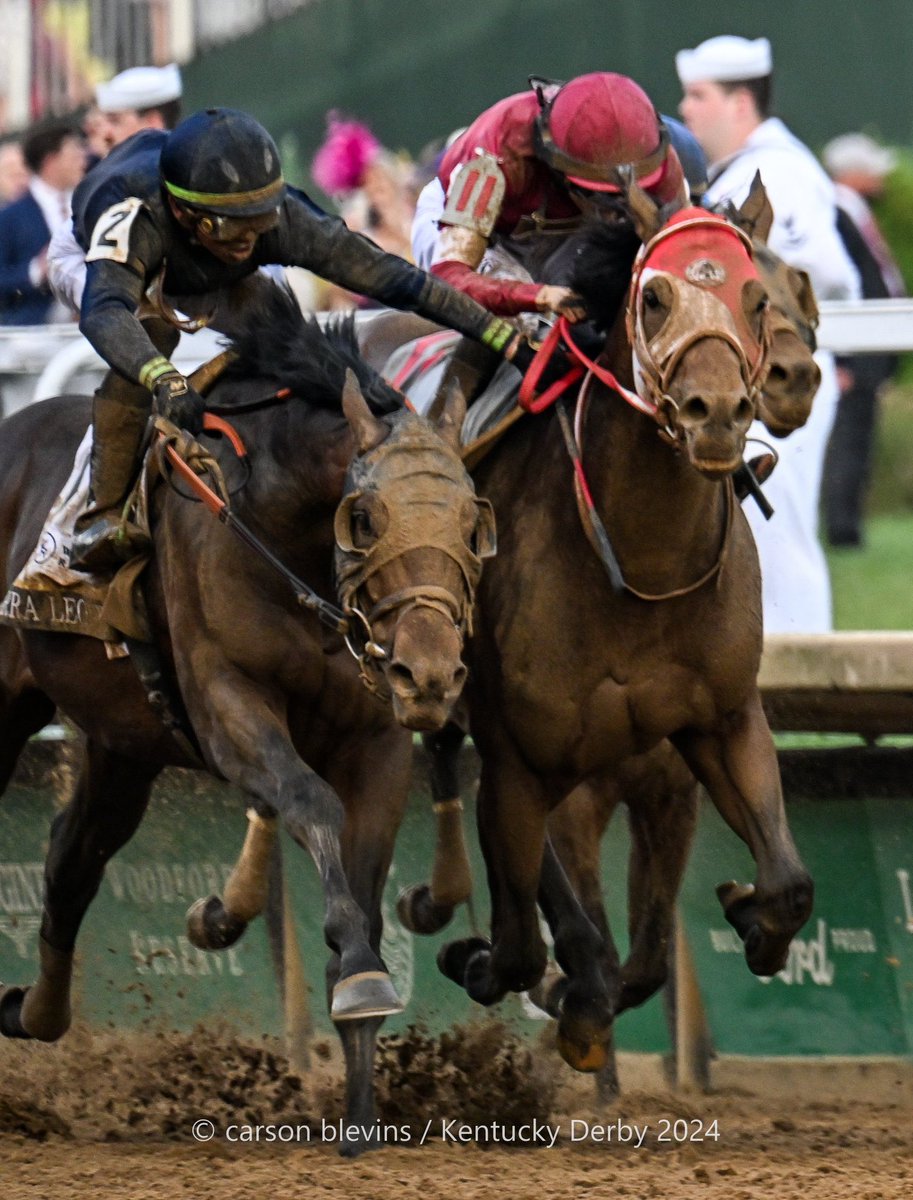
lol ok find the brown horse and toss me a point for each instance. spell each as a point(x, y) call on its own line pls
point(657, 789)
point(274, 701)
point(570, 679)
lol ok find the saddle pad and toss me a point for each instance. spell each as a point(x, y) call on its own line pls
point(417, 369)
point(48, 594)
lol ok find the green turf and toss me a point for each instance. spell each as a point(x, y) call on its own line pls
point(873, 587)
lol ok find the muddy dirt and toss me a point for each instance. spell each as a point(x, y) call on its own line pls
point(473, 1114)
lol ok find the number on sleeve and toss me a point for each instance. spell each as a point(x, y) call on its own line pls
point(111, 235)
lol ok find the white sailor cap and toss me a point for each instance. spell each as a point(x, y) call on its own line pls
point(858, 152)
point(723, 59)
point(139, 88)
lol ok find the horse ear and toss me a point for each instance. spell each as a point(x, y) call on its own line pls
point(643, 208)
point(368, 430)
point(447, 413)
point(756, 215)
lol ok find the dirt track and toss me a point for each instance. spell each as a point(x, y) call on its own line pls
point(105, 1116)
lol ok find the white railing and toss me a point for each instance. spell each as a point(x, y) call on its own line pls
point(41, 361)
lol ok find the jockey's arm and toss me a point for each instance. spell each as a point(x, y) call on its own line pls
point(117, 272)
point(460, 225)
point(312, 238)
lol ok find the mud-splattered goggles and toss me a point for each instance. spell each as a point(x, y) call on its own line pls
point(232, 229)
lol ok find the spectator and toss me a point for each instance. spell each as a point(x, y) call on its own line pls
point(137, 99)
point(858, 166)
point(727, 106)
point(14, 174)
point(55, 154)
point(371, 187)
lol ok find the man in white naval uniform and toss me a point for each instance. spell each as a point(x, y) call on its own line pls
point(136, 99)
point(726, 105)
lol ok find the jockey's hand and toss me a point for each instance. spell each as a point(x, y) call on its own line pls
point(174, 399)
point(561, 300)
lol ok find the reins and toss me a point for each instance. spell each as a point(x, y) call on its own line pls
point(327, 613)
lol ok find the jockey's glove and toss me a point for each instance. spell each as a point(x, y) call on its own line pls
point(174, 399)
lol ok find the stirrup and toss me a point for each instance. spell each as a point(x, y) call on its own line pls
point(107, 544)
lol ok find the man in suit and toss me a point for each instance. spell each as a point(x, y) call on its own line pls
point(55, 154)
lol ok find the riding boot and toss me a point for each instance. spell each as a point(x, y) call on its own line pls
point(104, 540)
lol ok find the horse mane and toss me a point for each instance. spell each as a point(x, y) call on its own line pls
point(603, 256)
point(280, 344)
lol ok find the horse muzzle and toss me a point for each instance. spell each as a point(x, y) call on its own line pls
point(424, 671)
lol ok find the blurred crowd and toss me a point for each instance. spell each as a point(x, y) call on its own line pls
point(398, 202)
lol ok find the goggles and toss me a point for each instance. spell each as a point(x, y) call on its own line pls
point(231, 229)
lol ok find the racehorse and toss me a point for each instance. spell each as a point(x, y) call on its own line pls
point(571, 679)
point(274, 702)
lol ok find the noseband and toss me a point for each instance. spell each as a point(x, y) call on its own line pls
point(418, 484)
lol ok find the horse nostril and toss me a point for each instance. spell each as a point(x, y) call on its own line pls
point(695, 409)
point(745, 411)
point(777, 373)
point(400, 671)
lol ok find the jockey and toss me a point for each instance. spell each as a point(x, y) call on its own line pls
point(525, 175)
point(196, 212)
point(531, 168)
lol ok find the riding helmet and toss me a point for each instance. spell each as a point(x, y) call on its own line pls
point(600, 122)
point(223, 161)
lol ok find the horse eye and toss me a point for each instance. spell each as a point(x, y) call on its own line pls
point(651, 300)
point(762, 304)
point(361, 525)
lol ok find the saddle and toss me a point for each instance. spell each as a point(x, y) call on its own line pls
point(51, 596)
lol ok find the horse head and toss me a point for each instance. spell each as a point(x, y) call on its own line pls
point(696, 320)
point(793, 377)
point(410, 539)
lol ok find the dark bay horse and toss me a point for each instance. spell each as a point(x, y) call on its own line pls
point(275, 702)
point(571, 680)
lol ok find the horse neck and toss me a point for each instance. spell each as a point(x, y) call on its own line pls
point(664, 519)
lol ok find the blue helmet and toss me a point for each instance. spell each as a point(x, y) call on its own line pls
point(690, 154)
point(222, 161)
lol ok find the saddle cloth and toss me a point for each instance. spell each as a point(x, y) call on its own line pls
point(417, 369)
point(49, 595)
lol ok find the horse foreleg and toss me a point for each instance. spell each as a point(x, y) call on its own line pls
point(215, 923)
point(586, 1000)
point(739, 770)
point(661, 796)
point(107, 806)
point(428, 907)
point(511, 810)
point(250, 744)
point(373, 780)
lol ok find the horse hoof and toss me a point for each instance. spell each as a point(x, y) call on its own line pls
point(453, 959)
point(367, 994)
point(418, 913)
point(11, 1012)
point(589, 1059)
point(210, 927)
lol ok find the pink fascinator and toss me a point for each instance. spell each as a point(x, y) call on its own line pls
point(348, 150)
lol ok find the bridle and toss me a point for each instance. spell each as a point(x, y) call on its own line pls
point(416, 521)
point(654, 363)
point(354, 567)
point(705, 314)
